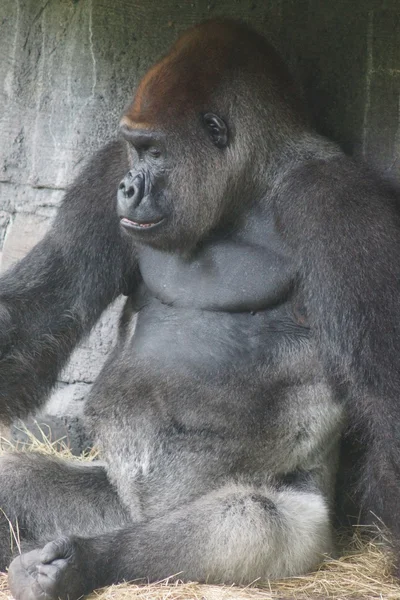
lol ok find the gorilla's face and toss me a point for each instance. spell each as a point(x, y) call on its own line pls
point(142, 204)
point(182, 147)
point(201, 129)
point(171, 196)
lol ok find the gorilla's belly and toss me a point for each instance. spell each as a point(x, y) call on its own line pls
point(213, 394)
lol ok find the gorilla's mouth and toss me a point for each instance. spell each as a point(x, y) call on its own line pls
point(129, 224)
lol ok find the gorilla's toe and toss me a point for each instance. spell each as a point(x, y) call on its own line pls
point(47, 574)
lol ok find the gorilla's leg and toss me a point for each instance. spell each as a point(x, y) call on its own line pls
point(43, 498)
point(235, 534)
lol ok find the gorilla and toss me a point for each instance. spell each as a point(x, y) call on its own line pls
point(263, 269)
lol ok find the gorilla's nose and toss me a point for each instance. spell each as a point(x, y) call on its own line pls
point(131, 190)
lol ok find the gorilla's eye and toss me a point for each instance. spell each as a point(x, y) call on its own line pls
point(217, 129)
point(154, 152)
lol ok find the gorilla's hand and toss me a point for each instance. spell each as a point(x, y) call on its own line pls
point(56, 571)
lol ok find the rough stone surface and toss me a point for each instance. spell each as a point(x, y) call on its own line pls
point(68, 67)
point(23, 231)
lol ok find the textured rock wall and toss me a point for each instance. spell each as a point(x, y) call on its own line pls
point(67, 69)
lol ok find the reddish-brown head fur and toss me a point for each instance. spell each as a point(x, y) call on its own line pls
point(185, 81)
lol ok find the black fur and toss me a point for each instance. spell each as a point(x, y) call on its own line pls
point(263, 265)
point(55, 295)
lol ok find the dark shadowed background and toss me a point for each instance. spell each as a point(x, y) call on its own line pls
point(68, 67)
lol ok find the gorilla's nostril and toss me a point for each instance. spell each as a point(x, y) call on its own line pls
point(132, 188)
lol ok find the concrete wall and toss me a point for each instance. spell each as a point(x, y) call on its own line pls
point(68, 67)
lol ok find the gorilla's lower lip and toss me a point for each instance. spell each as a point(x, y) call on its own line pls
point(129, 224)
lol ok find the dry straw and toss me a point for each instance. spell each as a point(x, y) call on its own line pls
point(361, 573)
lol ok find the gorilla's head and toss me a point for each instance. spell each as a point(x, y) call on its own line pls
point(206, 130)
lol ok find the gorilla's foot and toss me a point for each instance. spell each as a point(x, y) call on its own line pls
point(56, 571)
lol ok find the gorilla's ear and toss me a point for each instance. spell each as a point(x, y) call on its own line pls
point(217, 129)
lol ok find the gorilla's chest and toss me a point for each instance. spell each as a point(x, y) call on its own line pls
point(223, 275)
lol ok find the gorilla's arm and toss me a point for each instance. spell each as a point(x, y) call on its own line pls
point(344, 225)
point(54, 296)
